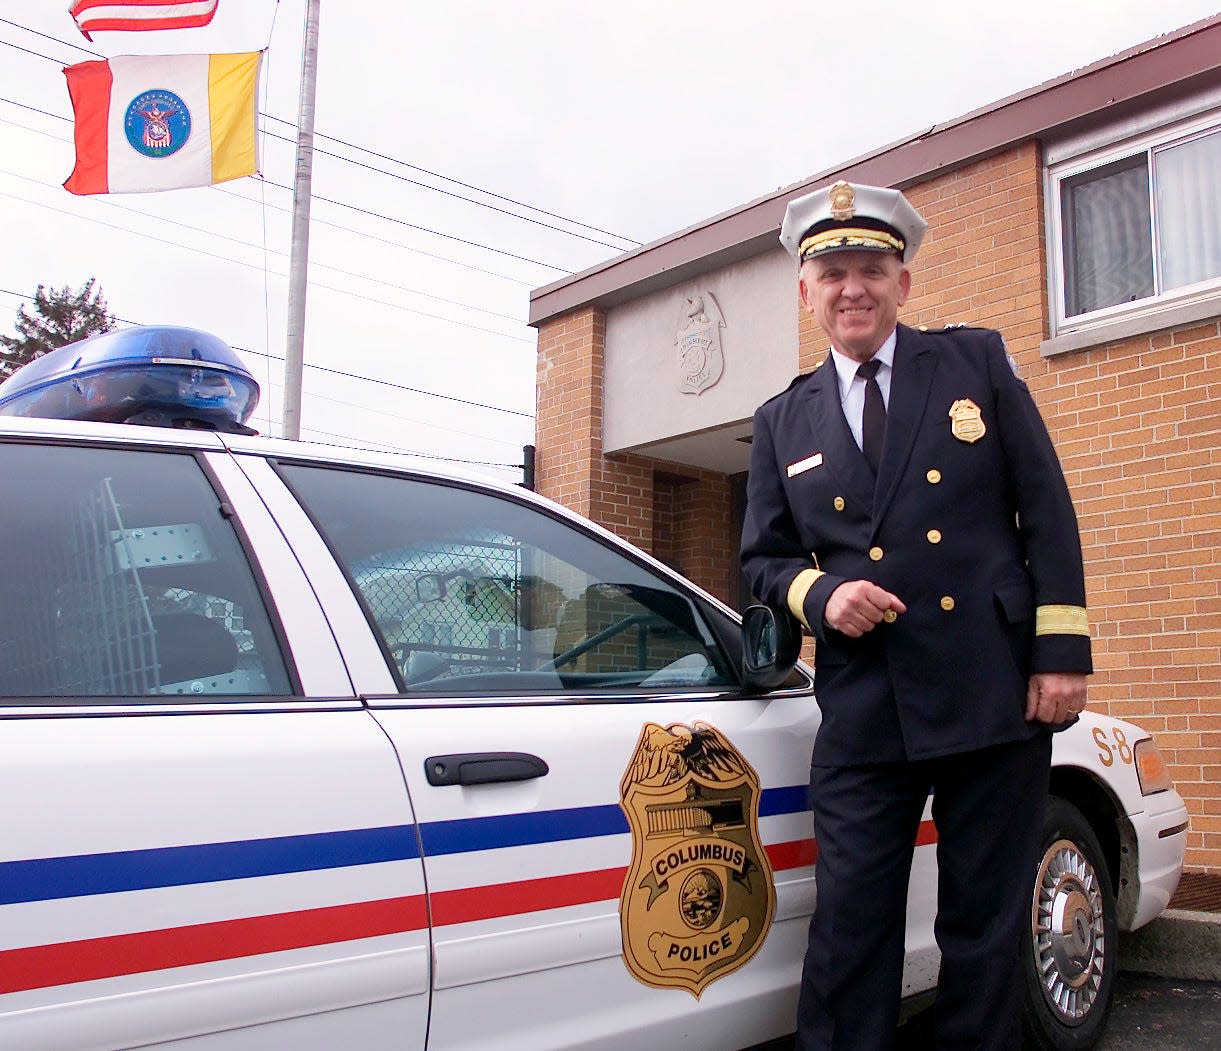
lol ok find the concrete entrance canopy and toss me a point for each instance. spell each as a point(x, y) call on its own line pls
point(686, 366)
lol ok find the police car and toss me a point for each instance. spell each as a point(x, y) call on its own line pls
point(309, 747)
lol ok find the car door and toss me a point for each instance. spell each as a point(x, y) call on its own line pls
point(615, 837)
point(204, 834)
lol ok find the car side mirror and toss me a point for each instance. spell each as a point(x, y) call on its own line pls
point(771, 644)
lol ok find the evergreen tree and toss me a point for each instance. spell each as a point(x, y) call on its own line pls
point(60, 316)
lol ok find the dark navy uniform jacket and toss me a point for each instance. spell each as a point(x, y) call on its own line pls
point(970, 524)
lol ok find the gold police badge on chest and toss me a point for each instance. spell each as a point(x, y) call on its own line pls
point(966, 421)
point(698, 898)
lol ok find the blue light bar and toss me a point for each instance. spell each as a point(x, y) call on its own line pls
point(157, 375)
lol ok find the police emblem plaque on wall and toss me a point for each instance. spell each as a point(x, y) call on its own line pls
point(700, 358)
point(698, 898)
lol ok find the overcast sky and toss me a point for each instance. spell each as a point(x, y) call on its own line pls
point(638, 117)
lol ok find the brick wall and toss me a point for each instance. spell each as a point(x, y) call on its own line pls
point(1137, 425)
point(615, 492)
point(699, 533)
point(677, 513)
point(1138, 428)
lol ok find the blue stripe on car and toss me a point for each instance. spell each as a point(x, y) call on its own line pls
point(44, 879)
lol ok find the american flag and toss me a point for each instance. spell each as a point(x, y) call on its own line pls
point(93, 16)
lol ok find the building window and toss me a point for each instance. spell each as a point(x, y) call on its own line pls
point(1138, 226)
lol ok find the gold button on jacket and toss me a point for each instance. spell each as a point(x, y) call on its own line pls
point(947, 602)
point(876, 553)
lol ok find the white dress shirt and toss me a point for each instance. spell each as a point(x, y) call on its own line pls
point(852, 387)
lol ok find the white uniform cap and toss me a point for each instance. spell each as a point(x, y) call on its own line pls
point(846, 217)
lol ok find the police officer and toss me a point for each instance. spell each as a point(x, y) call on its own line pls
point(906, 504)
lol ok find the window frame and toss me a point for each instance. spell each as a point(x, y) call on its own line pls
point(1143, 315)
point(168, 701)
point(719, 624)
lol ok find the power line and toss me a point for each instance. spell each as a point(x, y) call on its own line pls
point(355, 208)
point(363, 441)
point(47, 36)
point(459, 182)
point(348, 375)
point(263, 269)
point(386, 157)
point(447, 193)
point(18, 47)
point(228, 192)
point(396, 386)
point(273, 251)
point(423, 229)
point(415, 452)
point(373, 237)
point(406, 419)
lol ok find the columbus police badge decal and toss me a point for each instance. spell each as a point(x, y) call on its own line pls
point(698, 898)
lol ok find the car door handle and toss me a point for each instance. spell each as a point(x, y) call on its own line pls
point(482, 768)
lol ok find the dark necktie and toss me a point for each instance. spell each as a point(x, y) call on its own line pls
point(873, 421)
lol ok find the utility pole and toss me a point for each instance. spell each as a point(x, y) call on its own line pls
point(298, 266)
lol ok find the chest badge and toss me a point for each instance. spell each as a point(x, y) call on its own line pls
point(966, 421)
point(698, 898)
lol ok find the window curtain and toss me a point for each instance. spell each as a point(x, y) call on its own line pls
point(1108, 244)
point(1188, 181)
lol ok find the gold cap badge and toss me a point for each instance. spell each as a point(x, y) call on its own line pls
point(843, 201)
point(967, 421)
point(698, 898)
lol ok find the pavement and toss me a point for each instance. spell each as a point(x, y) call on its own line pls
point(1162, 1014)
point(1180, 944)
point(1167, 992)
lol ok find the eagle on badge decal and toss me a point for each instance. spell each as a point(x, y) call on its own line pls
point(698, 898)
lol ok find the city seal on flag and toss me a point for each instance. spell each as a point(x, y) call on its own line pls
point(157, 123)
point(698, 898)
point(700, 359)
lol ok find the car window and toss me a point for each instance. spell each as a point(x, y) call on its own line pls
point(122, 578)
point(473, 592)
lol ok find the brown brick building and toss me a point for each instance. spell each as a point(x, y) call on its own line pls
point(1082, 218)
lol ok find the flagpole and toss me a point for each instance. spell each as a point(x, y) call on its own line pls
point(298, 266)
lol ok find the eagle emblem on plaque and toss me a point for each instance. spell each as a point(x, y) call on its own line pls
point(700, 359)
point(698, 898)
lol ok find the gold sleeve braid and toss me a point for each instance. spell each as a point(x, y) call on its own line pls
point(797, 593)
point(1060, 620)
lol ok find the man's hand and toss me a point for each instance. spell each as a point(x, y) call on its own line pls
point(1055, 697)
point(858, 606)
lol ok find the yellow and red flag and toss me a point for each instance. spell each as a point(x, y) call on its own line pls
point(163, 122)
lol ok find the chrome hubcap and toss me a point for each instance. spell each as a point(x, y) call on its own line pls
point(1070, 948)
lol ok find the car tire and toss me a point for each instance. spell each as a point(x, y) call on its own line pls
point(1070, 963)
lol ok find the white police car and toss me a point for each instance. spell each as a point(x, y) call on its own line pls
point(314, 748)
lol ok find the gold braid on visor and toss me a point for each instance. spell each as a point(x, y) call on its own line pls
point(850, 237)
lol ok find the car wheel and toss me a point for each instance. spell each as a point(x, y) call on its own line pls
point(1073, 955)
